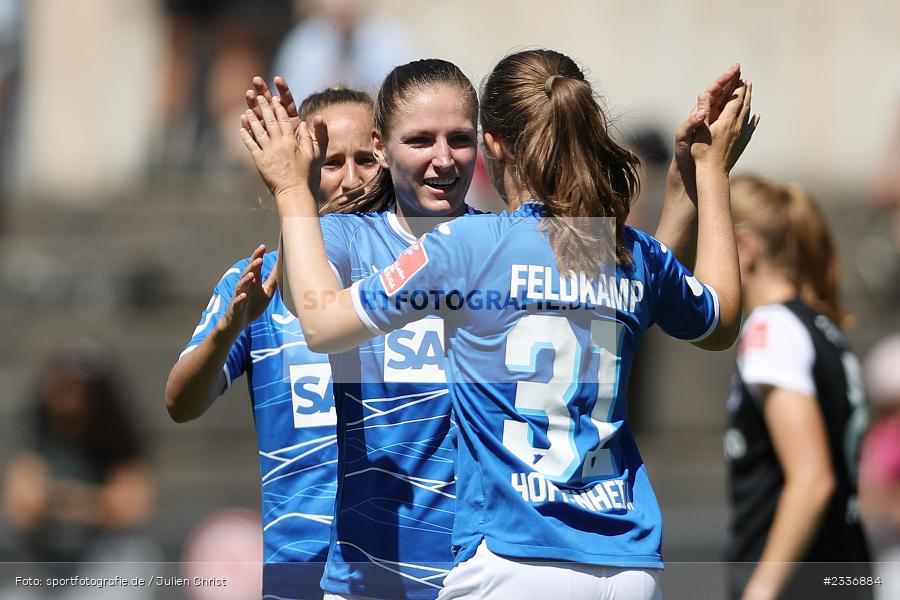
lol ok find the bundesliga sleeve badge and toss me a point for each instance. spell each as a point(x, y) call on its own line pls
point(411, 261)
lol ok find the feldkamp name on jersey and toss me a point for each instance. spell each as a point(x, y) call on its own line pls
point(543, 283)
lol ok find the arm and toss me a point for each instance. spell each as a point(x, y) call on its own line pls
point(26, 491)
point(717, 263)
point(678, 221)
point(330, 324)
point(798, 434)
point(198, 377)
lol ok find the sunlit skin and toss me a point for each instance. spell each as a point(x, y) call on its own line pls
point(349, 162)
point(430, 151)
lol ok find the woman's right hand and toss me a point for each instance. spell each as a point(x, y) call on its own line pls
point(284, 95)
point(719, 143)
point(284, 162)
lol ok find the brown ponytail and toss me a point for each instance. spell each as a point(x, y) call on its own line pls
point(400, 83)
point(797, 239)
point(555, 133)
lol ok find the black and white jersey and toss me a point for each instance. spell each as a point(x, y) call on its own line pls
point(793, 347)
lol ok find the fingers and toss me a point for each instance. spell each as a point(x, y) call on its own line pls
point(250, 143)
point(732, 73)
point(305, 139)
point(271, 121)
point(725, 94)
point(287, 98)
point(256, 127)
point(721, 89)
point(284, 121)
point(697, 115)
point(735, 104)
point(250, 97)
point(745, 106)
point(701, 109)
point(245, 283)
point(259, 85)
point(259, 89)
point(320, 134)
point(271, 282)
point(257, 253)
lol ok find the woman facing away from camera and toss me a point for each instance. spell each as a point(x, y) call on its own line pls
point(547, 469)
point(246, 328)
point(797, 408)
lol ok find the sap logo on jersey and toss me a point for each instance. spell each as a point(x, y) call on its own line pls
point(312, 396)
point(416, 353)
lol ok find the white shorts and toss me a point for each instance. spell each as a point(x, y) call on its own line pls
point(487, 576)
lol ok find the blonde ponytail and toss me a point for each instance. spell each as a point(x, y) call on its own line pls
point(797, 239)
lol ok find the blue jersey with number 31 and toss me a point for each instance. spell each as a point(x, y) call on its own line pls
point(538, 363)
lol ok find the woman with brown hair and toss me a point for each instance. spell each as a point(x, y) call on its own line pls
point(544, 307)
point(246, 329)
point(797, 408)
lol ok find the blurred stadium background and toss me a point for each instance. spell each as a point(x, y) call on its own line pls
point(123, 200)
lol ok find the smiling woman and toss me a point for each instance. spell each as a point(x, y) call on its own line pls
point(425, 143)
point(430, 152)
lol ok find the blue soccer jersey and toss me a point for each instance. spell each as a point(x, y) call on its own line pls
point(394, 509)
point(538, 363)
point(293, 408)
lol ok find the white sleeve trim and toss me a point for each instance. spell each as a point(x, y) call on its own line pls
point(715, 322)
point(787, 360)
point(336, 274)
point(361, 312)
point(225, 370)
point(227, 376)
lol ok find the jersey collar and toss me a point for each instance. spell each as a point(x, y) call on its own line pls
point(403, 234)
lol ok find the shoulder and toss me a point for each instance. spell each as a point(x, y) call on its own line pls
point(771, 324)
point(776, 348)
point(644, 245)
point(350, 225)
point(469, 232)
point(233, 273)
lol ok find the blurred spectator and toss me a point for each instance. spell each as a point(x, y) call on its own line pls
point(878, 253)
point(339, 42)
point(81, 486)
point(10, 46)
point(880, 464)
point(213, 49)
point(887, 184)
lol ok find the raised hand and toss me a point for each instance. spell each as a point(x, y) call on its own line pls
point(707, 109)
point(284, 162)
point(284, 95)
point(251, 295)
point(721, 141)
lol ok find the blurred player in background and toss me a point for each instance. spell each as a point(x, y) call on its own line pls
point(563, 480)
point(797, 408)
point(246, 328)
